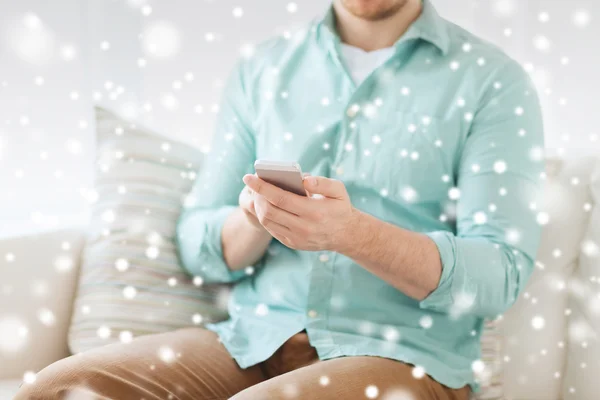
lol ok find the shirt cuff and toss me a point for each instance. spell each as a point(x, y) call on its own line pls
point(200, 247)
point(441, 298)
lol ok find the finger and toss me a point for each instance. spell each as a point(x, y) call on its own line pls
point(276, 214)
point(279, 232)
point(327, 187)
point(283, 199)
point(305, 174)
point(246, 201)
point(284, 240)
point(250, 208)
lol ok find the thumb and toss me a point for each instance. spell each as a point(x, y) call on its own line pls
point(327, 187)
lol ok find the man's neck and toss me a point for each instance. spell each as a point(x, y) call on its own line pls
point(374, 35)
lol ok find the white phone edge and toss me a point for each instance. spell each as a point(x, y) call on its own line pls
point(277, 165)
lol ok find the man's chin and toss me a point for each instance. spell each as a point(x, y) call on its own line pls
point(373, 10)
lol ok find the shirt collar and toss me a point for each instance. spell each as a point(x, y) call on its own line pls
point(429, 26)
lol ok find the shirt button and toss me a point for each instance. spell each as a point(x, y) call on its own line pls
point(353, 110)
point(323, 258)
point(339, 170)
point(312, 313)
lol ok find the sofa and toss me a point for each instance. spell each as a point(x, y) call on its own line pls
point(549, 339)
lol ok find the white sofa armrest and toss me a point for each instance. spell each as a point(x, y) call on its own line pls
point(583, 364)
point(535, 358)
point(38, 275)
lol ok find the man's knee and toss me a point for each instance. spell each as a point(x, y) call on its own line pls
point(70, 378)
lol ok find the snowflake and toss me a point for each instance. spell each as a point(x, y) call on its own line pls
point(480, 218)
point(161, 39)
point(125, 337)
point(103, 332)
point(13, 334)
point(590, 248)
point(209, 37)
point(454, 193)
point(166, 354)
point(409, 194)
point(426, 321)
point(152, 252)
point(391, 334)
point(478, 367)
point(292, 7)
point(121, 264)
point(538, 322)
point(370, 111)
point(542, 43)
point(463, 302)
point(418, 372)
point(197, 319)
point(46, 317)
point(129, 292)
point(581, 18)
point(371, 392)
point(68, 52)
point(29, 377)
point(365, 328)
point(261, 310)
point(238, 12)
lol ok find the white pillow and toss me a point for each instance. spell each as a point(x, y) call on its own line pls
point(131, 281)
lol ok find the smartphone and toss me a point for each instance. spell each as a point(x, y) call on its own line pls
point(286, 175)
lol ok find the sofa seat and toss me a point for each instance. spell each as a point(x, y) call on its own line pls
point(8, 388)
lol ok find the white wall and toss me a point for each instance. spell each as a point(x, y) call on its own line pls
point(165, 63)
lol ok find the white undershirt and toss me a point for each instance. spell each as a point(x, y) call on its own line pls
point(361, 63)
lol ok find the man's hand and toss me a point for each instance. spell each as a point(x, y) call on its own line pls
point(243, 239)
point(310, 223)
point(246, 201)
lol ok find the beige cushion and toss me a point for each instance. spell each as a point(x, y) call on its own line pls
point(131, 282)
point(535, 328)
point(583, 364)
point(38, 274)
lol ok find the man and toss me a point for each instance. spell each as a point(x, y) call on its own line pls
point(417, 136)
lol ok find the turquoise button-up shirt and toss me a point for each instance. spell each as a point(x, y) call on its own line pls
point(445, 138)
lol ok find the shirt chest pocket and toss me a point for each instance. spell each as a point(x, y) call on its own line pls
point(405, 157)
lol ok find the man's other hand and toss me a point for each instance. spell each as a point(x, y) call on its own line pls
point(318, 222)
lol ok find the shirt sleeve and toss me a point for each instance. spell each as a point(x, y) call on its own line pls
point(488, 260)
point(217, 187)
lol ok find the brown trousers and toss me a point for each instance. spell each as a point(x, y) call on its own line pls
point(192, 364)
